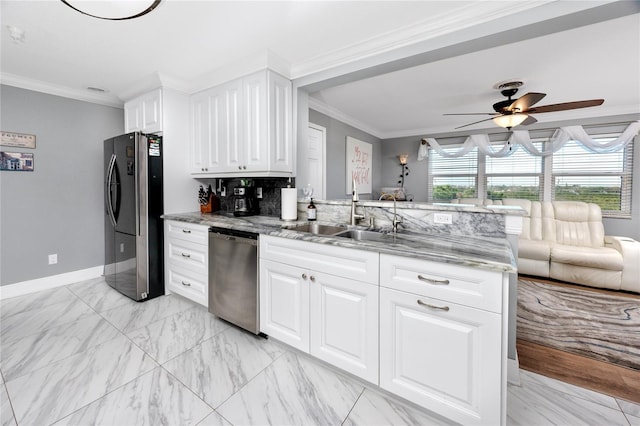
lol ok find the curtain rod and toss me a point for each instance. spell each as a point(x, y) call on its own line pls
point(586, 126)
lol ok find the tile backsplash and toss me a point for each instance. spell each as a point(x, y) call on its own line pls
point(269, 204)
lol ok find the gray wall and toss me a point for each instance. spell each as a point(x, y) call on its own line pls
point(335, 169)
point(58, 208)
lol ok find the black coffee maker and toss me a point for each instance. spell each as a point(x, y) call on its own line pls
point(245, 201)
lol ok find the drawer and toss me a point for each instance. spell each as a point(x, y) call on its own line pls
point(477, 288)
point(188, 284)
point(343, 262)
point(187, 255)
point(194, 233)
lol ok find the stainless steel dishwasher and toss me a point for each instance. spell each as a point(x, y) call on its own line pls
point(233, 277)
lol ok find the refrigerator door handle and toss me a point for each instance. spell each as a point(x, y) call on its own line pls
point(137, 183)
point(110, 168)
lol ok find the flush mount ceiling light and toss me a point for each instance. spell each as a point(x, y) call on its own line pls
point(114, 10)
point(510, 120)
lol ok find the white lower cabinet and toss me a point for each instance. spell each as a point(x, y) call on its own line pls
point(432, 333)
point(186, 260)
point(284, 303)
point(442, 356)
point(344, 324)
point(331, 317)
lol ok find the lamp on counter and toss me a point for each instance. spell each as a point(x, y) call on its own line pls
point(510, 120)
point(403, 158)
point(114, 10)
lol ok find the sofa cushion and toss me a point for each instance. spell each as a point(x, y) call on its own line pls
point(600, 258)
point(536, 250)
point(532, 221)
point(577, 224)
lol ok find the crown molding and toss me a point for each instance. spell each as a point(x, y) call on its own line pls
point(335, 113)
point(57, 90)
point(439, 25)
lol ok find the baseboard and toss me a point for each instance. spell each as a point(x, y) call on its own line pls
point(31, 286)
point(513, 371)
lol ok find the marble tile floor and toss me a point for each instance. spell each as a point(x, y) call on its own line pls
point(84, 354)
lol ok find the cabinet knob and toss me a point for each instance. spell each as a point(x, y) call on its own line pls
point(186, 255)
point(312, 278)
point(432, 281)
point(304, 276)
point(427, 305)
point(244, 167)
point(239, 167)
point(186, 284)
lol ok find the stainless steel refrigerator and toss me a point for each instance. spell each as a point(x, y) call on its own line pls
point(133, 206)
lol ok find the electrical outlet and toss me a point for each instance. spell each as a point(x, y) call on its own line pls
point(223, 191)
point(259, 192)
point(121, 247)
point(53, 259)
point(446, 218)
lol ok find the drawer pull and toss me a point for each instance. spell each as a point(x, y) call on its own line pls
point(442, 308)
point(186, 255)
point(186, 284)
point(186, 231)
point(432, 281)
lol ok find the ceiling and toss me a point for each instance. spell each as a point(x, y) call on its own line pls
point(191, 45)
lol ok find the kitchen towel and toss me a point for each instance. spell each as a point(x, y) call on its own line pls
point(289, 204)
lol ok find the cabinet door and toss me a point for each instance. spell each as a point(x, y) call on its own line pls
point(344, 324)
point(201, 132)
point(448, 361)
point(255, 122)
point(280, 126)
point(231, 138)
point(152, 112)
point(133, 116)
point(284, 303)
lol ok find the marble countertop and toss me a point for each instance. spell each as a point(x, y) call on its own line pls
point(487, 253)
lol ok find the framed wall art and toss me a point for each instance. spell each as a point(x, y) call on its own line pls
point(358, 165)
point(18, 140)
point(16, 161)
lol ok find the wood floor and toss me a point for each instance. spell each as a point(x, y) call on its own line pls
point(579, 370)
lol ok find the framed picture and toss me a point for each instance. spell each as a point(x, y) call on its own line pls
point(358, 165)
point(19, 140)
point(16, 161)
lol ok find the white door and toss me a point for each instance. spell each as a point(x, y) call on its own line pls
point(316, 154)
point(444, 357)
point(344, 324)
point(284, 303)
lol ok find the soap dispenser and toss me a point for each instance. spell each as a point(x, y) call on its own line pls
point(311, 211)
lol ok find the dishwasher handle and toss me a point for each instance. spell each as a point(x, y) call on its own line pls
point(234, 235)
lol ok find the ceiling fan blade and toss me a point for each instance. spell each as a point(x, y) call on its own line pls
point(528, 120)
point(473, 113)
point(525, 101)
point(475, 122)
point(565, 106)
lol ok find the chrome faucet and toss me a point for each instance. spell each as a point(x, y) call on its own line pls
point(397, 220)
point(355, 217)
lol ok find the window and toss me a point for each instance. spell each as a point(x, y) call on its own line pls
point(572, 173)
point(516, 176)
point(603, 179)
point(451, 178)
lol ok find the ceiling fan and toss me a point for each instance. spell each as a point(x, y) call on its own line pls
point(513, 112)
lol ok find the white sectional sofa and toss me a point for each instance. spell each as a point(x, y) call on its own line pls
point(565, 240)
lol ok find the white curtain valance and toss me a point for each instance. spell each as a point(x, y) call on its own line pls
point(521, 138)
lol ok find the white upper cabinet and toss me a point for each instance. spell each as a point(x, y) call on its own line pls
point(243, 128)
point(144, 113)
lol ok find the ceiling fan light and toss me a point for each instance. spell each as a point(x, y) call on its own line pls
point(509, 120)
point(116, 10)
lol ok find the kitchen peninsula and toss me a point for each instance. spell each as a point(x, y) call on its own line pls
point(422, 313)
